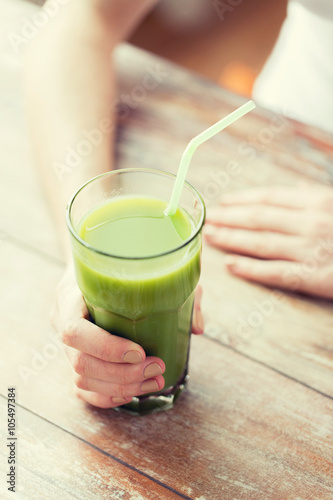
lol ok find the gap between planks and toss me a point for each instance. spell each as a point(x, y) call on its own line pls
point(53, 260)
point(105, 453)
point(32, 249)
point(265, 365)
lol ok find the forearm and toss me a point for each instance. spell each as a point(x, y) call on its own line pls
point(71, 91)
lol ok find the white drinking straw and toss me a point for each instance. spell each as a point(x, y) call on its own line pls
point(192, 146)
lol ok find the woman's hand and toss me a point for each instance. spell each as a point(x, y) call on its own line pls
point(198, 321)
point(109, 370)
point(284, 236)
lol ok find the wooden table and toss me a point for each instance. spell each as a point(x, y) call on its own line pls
point(256, 419)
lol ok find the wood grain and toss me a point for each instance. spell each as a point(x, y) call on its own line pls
point(19, 183)
point(195, 108)
point(256, 420)
point(55, 464)
point(240, 428)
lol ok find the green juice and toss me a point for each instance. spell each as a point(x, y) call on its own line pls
point(139, 280)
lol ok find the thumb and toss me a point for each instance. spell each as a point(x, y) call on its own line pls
point(198, 320)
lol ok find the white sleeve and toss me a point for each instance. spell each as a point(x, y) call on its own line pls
point(297, 79)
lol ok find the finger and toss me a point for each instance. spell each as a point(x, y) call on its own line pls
point(100, 400)
point(265, 245)
point(198, 324)
point(258, 217)
point(118, 390)
point(90, 367)
point(69, 304)
point(91, 339)
point(289, 197)
point(198, 320)
point(281, 274)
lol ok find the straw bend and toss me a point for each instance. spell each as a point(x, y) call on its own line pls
point(192, 146)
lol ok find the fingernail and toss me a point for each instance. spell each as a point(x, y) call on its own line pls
point(149, 386)
point(152, 370)
point(118, 400)
point(230, 262)
point(197, 322)
point(133, 357)
point(200, 321)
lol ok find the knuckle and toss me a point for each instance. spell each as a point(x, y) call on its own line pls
point(106, 351)
point(126, 375)
point(108, 347)
point(112, 348)
point(77, 393)
point(267, 195)
point(122, 391)
point(69, 333)
point(254, 216)
point(326, 201)
point(121, 378)
point(322, 226)
point(79, 363)
point(274, 275)
point(318, 225)
point(80, 382)
point(125, 378)
point(263, 247)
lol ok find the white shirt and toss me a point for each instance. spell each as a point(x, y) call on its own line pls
point(297, 79)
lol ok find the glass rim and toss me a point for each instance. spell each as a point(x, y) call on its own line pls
point(122, 257)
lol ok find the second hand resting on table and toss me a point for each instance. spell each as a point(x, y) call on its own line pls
point(281, 237)
point(285, 229)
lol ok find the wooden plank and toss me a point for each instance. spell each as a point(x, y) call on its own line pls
point(19, 186)
point(289, 332)
point(241, 428)
point(302, 349)
point(183, 104)
point(53, 464)
point(267, 149)
point(197, 106)
point(158, 124)
point(251, 432)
